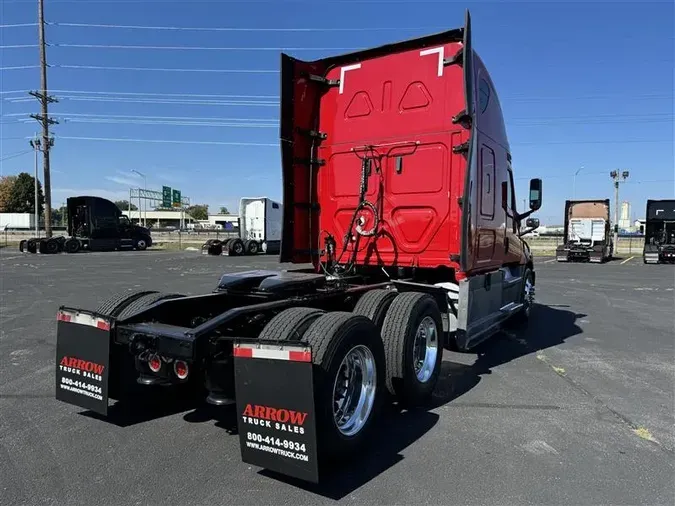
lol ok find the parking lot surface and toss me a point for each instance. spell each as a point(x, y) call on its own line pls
point(576, 409)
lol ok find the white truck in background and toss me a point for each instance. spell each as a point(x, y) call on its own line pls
point(259, 230)
point(587, 232)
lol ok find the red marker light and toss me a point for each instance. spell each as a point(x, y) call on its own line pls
point(180, 368)
point(155, 363)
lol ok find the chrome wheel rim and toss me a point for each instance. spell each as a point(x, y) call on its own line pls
point(354, 390)
point(529, 295)
point(425, 349)
point(238, 248)
point(140, 244)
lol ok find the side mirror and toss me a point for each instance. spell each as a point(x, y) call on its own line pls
point(535, 194)
point(505, 196)
point(532, 223)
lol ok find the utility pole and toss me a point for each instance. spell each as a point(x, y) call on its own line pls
point(44, 118)
point(617, 177)
point(35, 144)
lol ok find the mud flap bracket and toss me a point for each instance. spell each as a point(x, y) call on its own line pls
point(276, 416)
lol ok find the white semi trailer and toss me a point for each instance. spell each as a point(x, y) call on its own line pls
point(259, 230)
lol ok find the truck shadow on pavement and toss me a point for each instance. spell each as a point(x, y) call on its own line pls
point(151, 406)
point(398, 429)
point(549, 326)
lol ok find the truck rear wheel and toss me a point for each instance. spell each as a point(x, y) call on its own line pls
point(144, 301)
point(71, 246)
point(116, 303)
point(374, 305)
point(52, 246)
point(291, 324)
point(251, 247)
point(236, 247)
point(22, 245)
point(412, 334)
point(349, 378)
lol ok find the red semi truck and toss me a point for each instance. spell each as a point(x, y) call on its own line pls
point(398, 190)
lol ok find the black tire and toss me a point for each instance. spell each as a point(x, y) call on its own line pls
point(374, 305)
point(144, 301)
point(212, 242)
point(290, 325)
point(72, 246)
point(404, 317)
point(236, 247)
point(22, 245)
point(216, 249)
point(522, 317)
point(332, 337)
point(141, 243)
point(52, 247)
point(31, 246)
point(251, 247)
point(116, 303)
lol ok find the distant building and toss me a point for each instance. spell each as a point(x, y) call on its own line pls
point(639, 225)
point(172, 219)
point(624, 216)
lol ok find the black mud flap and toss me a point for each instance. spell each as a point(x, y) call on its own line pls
point(275, 408)
point(83, 359)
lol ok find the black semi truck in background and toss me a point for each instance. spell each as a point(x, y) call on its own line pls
point(659, 232)
point(94, 224)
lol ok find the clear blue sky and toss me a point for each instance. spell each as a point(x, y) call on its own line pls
point(581, 83)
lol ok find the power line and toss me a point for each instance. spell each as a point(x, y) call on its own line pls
point(150, 69)
point(14, 155)
point(18, 46)
point(174, 101)
point(510, 98)
point(20, 67)
point(167, 141)
point(18, 25)
point(335, 3)
point(650, 181)
point(198, 48)
point(241, 29)
point(532, 121)
point(134, 116)
point(138, 93)
point(112, 139)
point(572, 142)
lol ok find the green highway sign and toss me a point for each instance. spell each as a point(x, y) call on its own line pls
point(176, 198)
point(166, 196)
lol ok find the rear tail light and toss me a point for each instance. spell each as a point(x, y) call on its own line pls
point(181, 369)
point(155, 363)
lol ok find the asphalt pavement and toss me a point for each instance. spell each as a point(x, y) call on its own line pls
point(577, 409)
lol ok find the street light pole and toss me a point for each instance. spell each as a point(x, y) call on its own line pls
point(145, 187)
point(35, 143)
point(617, 177)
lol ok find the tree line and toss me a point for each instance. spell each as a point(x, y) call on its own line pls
point(17, 195)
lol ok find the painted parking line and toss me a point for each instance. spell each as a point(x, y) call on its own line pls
point(627, 260)
point(549, 261)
